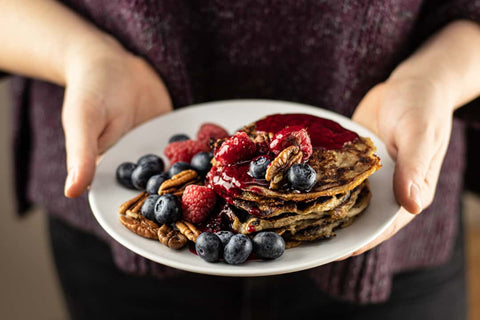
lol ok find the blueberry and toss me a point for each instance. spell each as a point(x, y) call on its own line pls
point(178, 167)
point(148, 207)
point(208, 247)
point(168, 209)
point(143, 172)
point(178, 137)
point(201, 162)
point(258, 167)
point(237, 249)
point(124, 174)
point(224, 236)
point(301, 176)
point(152, 158)
point(155, 181)
point(268, 245)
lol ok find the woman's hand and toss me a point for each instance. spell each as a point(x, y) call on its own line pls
point(412, 113)
point(108, 92)
point(413, 117)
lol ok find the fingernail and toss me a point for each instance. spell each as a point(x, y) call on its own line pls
point(70, 179)
point(415, 195)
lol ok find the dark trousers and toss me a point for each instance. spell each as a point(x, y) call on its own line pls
point(95, 289)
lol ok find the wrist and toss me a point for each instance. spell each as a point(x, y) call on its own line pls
point(424, 82)
point(91, 52)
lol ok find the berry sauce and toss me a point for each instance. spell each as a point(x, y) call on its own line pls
point(323, 133)
point(230, 180)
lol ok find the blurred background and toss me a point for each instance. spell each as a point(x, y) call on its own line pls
point(29, 287)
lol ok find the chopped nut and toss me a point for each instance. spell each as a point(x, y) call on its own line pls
point(130, 204)
point(171, 238)
point(141, 226)
point(188, 230)
point(176, 184)
point(280, 165)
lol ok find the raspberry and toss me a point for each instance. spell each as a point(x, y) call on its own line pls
point(184, 150)
point(237, 148)
point(197, 203)
point(211, 131)
point(292, 136)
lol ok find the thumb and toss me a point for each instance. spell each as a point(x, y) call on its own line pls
point(81, 125)
point(420, 153)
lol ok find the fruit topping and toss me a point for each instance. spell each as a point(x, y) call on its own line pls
point(167, 209)
point(201, 162)
point(258, 167)
point(124, 174)
point(148, 207)
point(153, 159)
point(224, 236)
point(237, 249)
point(292, 136)
point(208, 247)
point(301, 176)
point(178, 137)
point(237, 148)
point(143, 172)
point(178, 167)
point(184, 150)
point(197, 203)
point(155, 182)
point(268, 245)
point(211, 131)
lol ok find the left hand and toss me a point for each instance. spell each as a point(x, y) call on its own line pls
point(414, 118)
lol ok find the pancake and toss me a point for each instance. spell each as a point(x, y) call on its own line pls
point(268, 209)
point(244, 223)
point(325, 229)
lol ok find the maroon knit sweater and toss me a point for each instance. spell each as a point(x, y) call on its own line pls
point(322, 53)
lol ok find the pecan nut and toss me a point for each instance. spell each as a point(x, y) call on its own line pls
point(171, 238)
point(141, 226)
point(176, 184)
point(188, 230)
point(280, 165)
point(132, 203)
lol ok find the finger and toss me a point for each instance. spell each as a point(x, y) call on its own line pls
point(420, 150)
point(81, 124)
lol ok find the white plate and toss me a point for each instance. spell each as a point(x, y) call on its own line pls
point(106, 194)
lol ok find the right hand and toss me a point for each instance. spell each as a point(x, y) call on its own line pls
point(109, 91)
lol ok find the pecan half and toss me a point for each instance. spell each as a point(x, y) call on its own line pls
point(188, 230)
point(171, 238)
point(132, 203)
point(141, 226)
point(178, 182)
point(280, 165)
point(131, 214)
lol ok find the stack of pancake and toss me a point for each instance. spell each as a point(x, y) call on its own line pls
point(340, 193)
